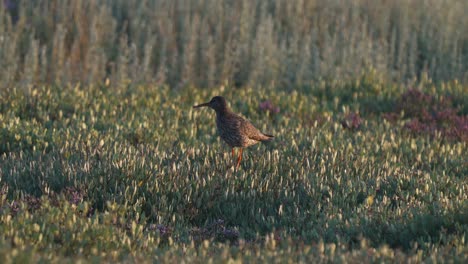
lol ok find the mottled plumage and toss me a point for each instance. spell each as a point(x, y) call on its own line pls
point(233, 129)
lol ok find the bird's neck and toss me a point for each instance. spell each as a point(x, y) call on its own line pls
point(223, 112)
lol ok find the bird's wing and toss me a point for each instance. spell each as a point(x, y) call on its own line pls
point(250, 131)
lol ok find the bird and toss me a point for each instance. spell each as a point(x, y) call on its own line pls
point(236, 131)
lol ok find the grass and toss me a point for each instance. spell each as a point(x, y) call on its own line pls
point(103, 159)
point(205, 43)
point(133, 173)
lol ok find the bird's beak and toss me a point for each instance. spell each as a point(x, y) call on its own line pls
point(201, 105)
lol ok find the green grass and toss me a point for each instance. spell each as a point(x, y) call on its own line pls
point(103, 159)
point(251, 43)
point(133, 173)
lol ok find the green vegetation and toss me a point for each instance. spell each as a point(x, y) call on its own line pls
point(103, 159)
point(124, 173)
point(253, 43)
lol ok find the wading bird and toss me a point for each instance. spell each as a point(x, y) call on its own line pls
point(233, 129)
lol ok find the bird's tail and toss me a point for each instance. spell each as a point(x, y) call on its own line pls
point(267, 137)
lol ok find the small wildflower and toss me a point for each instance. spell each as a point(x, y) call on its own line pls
point(430, 115)
point(268, 106)
point(351, 121)
point(74, 195)
point(163, 230)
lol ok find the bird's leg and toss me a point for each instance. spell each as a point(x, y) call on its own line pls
point(239, 158)
point(232, 150)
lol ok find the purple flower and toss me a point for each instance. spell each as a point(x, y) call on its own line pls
point(351, 121)
point(74, 195)
point(14, 207)
point(431, 115)
point(163, 230)
point(230, 234)
point(267, 106)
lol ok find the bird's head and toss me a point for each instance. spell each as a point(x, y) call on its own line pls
point(218, 103)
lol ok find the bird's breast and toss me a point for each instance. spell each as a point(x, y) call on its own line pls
point(229, 131)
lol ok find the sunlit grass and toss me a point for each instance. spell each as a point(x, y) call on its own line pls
point(207, 43)
point(134, 172)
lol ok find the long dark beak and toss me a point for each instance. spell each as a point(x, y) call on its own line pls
point(201, 105)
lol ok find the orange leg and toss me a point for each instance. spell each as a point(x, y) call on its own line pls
point(239, 158)
point(232, 150)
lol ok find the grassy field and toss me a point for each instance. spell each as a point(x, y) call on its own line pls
point(103, 159)
point(358, 171)
point(206, 43)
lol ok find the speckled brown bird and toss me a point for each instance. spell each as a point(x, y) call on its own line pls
point(236, 131)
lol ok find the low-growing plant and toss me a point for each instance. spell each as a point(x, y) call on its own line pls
point(431, 115)
point(133, 173)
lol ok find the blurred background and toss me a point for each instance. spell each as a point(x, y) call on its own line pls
point(206, 43)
